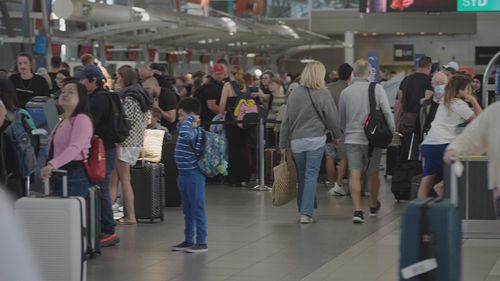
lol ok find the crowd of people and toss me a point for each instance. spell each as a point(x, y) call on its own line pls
point(322, 117)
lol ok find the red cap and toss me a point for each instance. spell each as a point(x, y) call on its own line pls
point(218, 69)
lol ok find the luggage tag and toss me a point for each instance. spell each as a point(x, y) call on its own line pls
point(419, 268)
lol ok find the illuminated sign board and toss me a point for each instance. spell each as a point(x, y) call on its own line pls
point(478, 5)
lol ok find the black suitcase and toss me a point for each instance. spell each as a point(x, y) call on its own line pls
point(145, 179)
point(401, 182)
point(391, 159)
point(94, 221)
point(172, 193)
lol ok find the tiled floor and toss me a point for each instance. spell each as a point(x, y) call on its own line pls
point(250, 240)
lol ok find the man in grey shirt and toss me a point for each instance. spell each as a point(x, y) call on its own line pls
point(354, 108)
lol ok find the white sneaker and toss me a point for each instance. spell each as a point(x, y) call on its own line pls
point(305, 219)
point(336, 190)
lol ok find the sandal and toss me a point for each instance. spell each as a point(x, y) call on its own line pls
point(123, 221)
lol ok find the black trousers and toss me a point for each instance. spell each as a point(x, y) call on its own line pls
point(238, 152)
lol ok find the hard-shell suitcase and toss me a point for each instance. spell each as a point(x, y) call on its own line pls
point(94, 221)
point(401, 181)
point(145, 179)
point(172, 193)
point(391, 159)
point(431, 239)
point(56, 229)
point(272, 158)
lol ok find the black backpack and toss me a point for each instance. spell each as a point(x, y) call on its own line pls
point(120, 125)
point(377, 131)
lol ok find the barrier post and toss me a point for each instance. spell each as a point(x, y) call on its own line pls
point(261, 186)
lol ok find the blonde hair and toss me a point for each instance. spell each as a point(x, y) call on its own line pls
point(239, 76)
point(313, 75)
point(457, 82)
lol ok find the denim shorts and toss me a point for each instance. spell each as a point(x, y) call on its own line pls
point(433, 160)
point(129, 154)
point(357, 158)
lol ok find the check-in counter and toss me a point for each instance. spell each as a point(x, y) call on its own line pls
point(476, 200)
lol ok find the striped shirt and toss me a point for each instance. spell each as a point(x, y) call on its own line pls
point(185, 158)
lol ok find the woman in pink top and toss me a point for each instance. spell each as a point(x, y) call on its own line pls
point(70, 141)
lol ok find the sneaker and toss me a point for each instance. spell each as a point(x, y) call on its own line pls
point(182, 246)
point(358, 217)
point(244, 184)
point(304, 219)
point(198, 248)
point(336, 190)
point(109, 240)
point(374, 211)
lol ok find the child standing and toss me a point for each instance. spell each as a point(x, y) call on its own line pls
point(190, 180)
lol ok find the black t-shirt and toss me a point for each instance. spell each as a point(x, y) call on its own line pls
point(55, 88)
point(210, 91)
point(168, 101)
point(162, 81)
point(26, 89)
point(100, 107)
point(413, 88)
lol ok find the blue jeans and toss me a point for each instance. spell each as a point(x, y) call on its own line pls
point(107, 220)
point(308, 164)
point(78, 183)
point(192, 188)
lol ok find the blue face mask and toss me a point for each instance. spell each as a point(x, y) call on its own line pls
point(439, 90)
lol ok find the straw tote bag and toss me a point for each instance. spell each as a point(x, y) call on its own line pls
point(285, 181)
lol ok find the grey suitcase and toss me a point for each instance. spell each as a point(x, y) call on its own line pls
point(56, 229)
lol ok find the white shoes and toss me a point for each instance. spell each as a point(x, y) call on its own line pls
point(305, 219)
point(336, 190)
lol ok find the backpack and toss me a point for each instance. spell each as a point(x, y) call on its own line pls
point(211, 155)
point(246, 110)
point(120, 125)
point(376, 129)
point(19, 133)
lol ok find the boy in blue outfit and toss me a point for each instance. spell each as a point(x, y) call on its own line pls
point(191, 181)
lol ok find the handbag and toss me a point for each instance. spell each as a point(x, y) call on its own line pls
point(153, 144)
point(285, 181)
point(329, 138)
point(95, 165)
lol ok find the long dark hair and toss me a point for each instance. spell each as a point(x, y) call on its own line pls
point(83, 99)
point(129, 75)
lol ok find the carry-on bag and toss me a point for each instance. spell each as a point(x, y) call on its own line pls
point(56, 229)
point(94, 221)
point(146, 180)
point(401, 181)
point(272, 158)
point(431, 239)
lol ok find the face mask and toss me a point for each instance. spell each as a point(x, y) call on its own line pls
point(439, 90)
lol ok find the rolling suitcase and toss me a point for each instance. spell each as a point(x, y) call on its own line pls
point(401, 181)
point(145, 179)
point(94, 221)
point(56, 229)
point(172, 193)
point(391, 160)
point(431, 239)
point(272, 158)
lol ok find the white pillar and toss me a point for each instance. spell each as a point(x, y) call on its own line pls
point(349, 47)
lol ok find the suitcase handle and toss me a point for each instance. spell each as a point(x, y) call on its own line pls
point(64, 174)
point(456, 171)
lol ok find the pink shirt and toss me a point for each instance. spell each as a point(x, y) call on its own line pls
point(70, 139)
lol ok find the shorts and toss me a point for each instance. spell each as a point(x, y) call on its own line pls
point(433, 160)
point(129, 154)
point(357, 158)
point(335, 153)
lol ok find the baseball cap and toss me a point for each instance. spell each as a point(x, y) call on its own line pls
point(90, 70)
point(218, 69)
point(157, 66)
point(452, 64)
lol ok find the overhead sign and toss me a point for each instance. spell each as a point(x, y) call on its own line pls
point(478, 5)
point(403, 52)
point(391, 6)
point(485, 54)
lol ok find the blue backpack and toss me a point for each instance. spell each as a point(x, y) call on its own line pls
point(211, 155)
point(19, 133)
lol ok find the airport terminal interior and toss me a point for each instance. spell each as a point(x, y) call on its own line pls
point(170, 52)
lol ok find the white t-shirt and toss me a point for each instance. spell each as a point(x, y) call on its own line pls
point(444, 127)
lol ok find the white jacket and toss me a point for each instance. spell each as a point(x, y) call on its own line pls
point(481, 136)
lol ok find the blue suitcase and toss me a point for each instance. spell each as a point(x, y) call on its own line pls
point(431, 239)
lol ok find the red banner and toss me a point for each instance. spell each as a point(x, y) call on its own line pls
point(85, 49)
point(151, 53)
point(132, 55)
point(172, 58)
point(56, 49)
point(189, 56)
point(204, 59)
